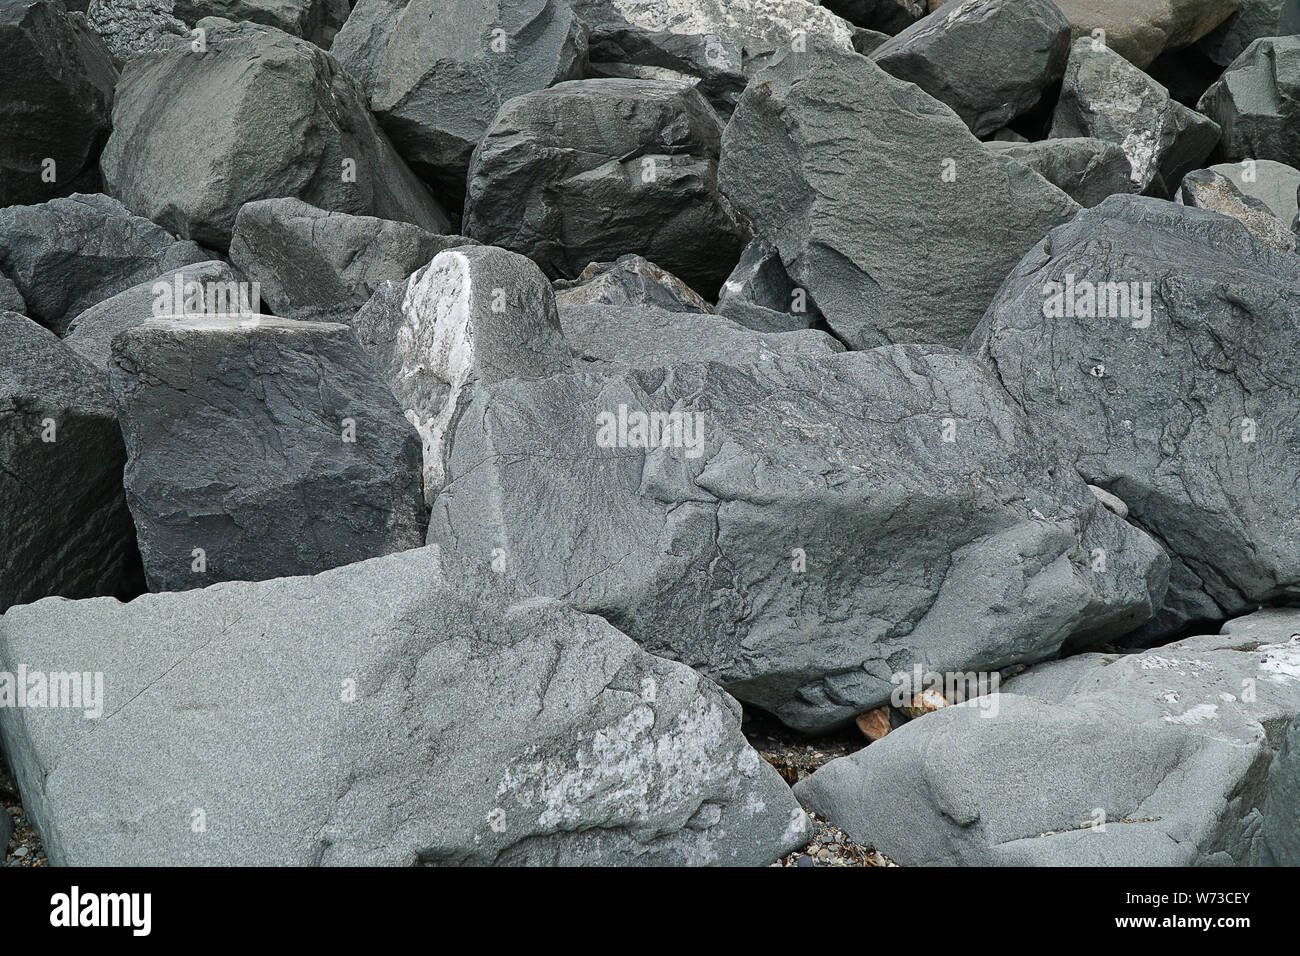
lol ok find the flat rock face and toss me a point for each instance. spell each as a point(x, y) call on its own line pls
point(67, 255)
point(64, 527)
point(258, 448)
point(591, 170)
point(474, 315)
point(1255, 19)
point(738, 520)
point(1106, 97)
point(435, 71)
point(1169, 390)
point(314, 20)
point(845, 169)
point(990, 60)
point(629, 280)
point(615, 338)
point(1206, 189)
point(316, 265)
point(433, 720)
point(58, 79)
point(260, 115)
point(1255, 102)
point(1178, 756)
point(1085, 169)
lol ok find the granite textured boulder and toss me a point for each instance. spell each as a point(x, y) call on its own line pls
point(314, 20)
point(58, 80)
point(258, 448)
point(1255, 19)
point(1141, 339)
point(1275, 184)
point(64, 527)
point(1255, 101)
point(1159, 758)
point(848, 172)
point(1087, 170)
point(131, 28)
point(1106, 97)
point(432, 720)
point(798, 529)
point(888, 16)
point(260, 115)
point(68, 254)
point(759, 294)
point(205, 288)
point(616, 338)
point(591, 170)
point(990, 60)
point(1206, 189)
point(629, 280)
point(435, 71)
point(322, 266)
point(473, 316)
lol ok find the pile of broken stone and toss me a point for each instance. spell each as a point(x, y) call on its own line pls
point(426, 424)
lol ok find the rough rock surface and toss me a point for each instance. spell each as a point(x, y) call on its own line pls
point(11, 300)
point(845, 170)
point(210, 287)
point(260, 115)
point(759, 294)
point(1106, 97)
point(435, 71)
point(68, 254)
point(64, 527)
point(1275, 184)
point(1176, 756)
point(385, 713)
point(1169, 390)
point(57, 79)
point(473, 316)
point(131, 28)
point(990, 60)
point(314, 20)
point(1206, 189)
point(629, 280)
point(815, 498)
point(1255, 19)
point(1256, 102)
point(591, 170)
point(269, 446)
point(1087, 170)
point(323, 266)
point(616, 338)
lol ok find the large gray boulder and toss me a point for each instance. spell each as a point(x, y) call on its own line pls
point(315, 20)
point(591, 170)
point(616, 338)
point(1142, 340)
point(64, 527)
point(797, 529)
point(1206, 189)
point(759, 294)
point(384, 713)
point(1275, 184)
point(473, 316)
point(68, 254)
point(629, 280)
point(1106, 97)
point(211, 287)
point(260, 447)
point(1255, 19)
point(898, 222)
point(260, 115)
point(58, 79)
point(316, 265)
point(132, 28)
point(1179, 756)
point(1255, 101)
point(1086, 169)
point(990, 60)
point(435, 71)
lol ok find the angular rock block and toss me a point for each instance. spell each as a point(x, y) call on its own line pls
point(260, 115)
point(259, 448)
point(1085, 169)
point(1178, 756)
point(315, 20)
point(58, 80)
point(385, 713)
point(798, 530)
point(882, 205)
point(64, 526)
point(1255, 101)
point(321, 266)
point(132, 28)
point(629, 280)
point(591, 170)
point(1207, 189)
point(759, 294)
point(1142, 340)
